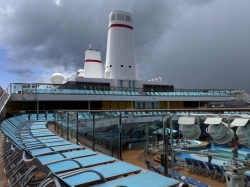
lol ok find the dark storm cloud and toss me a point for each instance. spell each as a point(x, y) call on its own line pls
point(209, 47)
point(50, 36)
point(21, 72)
point(190, 43)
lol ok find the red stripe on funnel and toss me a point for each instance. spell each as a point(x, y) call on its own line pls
point(90, 60)
point(121, 25)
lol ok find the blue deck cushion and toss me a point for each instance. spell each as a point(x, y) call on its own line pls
point(108, 171)
point(39, 130)
point(52, 140)
point(63, 166)
point(147, 179)
point(49, 116)
point(40, 151)
point(33, 127)
point(95, 160)
point(33, 117)
point(29, 140)
point(43, 134)
point(49, 158)
point(81, 153)
point(52, 144)
point(66, 147)
point(50, 137)
point(41, 116)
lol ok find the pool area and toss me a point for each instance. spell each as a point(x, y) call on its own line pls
point(223, 150)
point(190, 143)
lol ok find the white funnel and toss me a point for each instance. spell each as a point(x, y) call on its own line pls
point(93, 64)
point(120, 58)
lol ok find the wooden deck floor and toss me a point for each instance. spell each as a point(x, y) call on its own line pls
point(138, 157)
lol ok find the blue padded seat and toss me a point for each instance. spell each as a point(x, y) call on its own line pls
point(50, 137)
point(108, 171)
point(66, 147)
point(147, 179)
point(39, 130)
point(41, 116)
point(51, 144)
point(52, 140)
point(40, 151)
point(32, 117)
point(95, 160)
point(38, 127)
point(49, 158)
point(63, 165)
point(39, 123)
point(43, 134)
point(81, 153)
point(49, 117)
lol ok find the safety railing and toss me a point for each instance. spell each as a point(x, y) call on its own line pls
point(18, 88)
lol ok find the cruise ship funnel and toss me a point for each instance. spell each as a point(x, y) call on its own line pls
point(120, 58)
point(93, 64)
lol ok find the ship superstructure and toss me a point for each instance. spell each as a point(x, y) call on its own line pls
point(118, 88)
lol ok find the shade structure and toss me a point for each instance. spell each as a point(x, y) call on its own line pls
point(212, 121)
point(186, 120)
point(239, 122)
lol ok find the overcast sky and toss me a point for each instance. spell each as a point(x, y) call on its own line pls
point(189, 43)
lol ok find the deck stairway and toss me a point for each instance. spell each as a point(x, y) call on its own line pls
point(4, 99)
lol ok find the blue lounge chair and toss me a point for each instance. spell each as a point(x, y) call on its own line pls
point(196, 164)
point(247, 180)
point(159, 169)
point(219, 171)
point(189, 164)
point(211, 169)
point(203, 167)
point(177, 175)
point(201, 184)
point(191, 181)
point(143, 179)
point(178, 163)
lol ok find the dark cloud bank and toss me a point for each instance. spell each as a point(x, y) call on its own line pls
point(193, 44)
point(20, 72)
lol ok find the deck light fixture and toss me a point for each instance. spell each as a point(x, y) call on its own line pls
point(188, 128)
point(219, 130)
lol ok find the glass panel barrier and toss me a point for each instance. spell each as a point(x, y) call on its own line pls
point(104, 90)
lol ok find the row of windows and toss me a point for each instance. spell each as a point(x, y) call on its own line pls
point(120, 17)
point(158, 88)
point(121, 66)
point(72, 83)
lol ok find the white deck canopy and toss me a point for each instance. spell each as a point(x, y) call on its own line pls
point(238, 122)
point(213, 121)
point(186, 120)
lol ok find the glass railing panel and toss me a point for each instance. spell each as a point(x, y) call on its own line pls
point(94, 90)
point(16, 88)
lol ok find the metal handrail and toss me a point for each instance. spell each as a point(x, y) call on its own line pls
point(5, 92)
